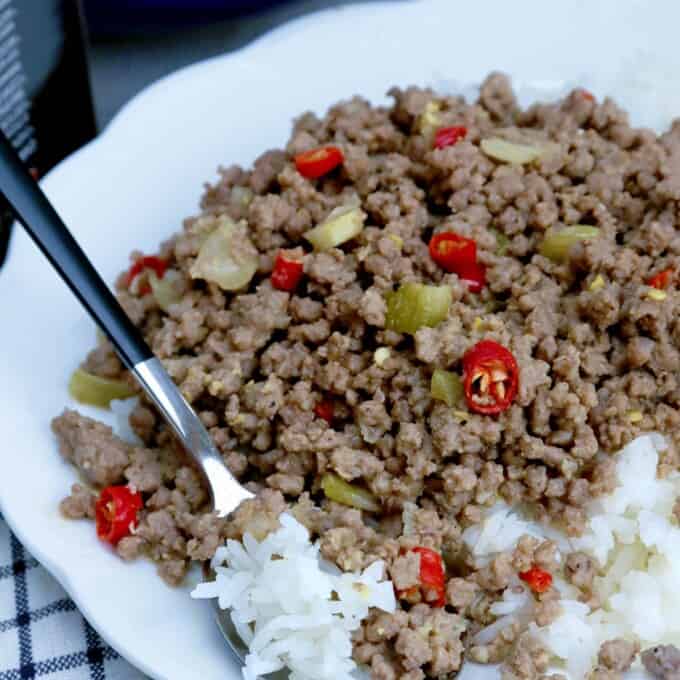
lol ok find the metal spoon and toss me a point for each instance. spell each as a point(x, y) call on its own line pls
point(34, 211)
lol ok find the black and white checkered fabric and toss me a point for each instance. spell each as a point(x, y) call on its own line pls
point(42, 634)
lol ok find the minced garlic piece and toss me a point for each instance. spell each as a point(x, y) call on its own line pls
point(480, 654)
point(597, 283)
point(362, 589)
point(381, 355)
point(215, 387)
point(363, 253)
point(568, 467)
point(656, 294)
point(397, 239)
point(429, 120)
point(635, 416)
point(461, 415)
point(477, 323)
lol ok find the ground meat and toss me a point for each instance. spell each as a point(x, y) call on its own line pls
point(80, 504)
point(424, 639)
point(144, 472)
point(103, 361)
point(531, 552)
point(143, 422)
point(527, 661)
point(413, 649)
point(618, 654)
point(497, 575)
point(547, 608)
point(173, 571)
point(580, 570)
point(460, 593)
point(597, 363)
point(601, 673)
point(259, 516)
point(662, 661)
point(498, 649)
point(405, 571)
point(92, 447)
point(131, 547)
point(381, 668)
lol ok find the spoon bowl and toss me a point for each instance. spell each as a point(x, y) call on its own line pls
point(229, 632)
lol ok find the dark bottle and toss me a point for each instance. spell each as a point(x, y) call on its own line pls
point(45, 96)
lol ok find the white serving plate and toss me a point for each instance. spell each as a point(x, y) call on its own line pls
point(131, 188)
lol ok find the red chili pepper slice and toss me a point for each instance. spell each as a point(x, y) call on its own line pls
point(286, 273)
point(452, 252)
point(149, 262)
point(474, 275)
point(457, 254)
point(538, 580)
point(585, 94)
point(116, 513)
point(490, 377)
point(325, 409)
point(661, 280)
point(318, 162)
point(432, 576)
point(432, 581)
point(448, 136)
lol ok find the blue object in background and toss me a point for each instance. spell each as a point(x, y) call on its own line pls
point(120, 17)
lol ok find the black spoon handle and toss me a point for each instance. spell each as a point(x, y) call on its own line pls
point(40, 219)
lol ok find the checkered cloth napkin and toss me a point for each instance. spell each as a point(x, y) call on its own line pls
point(42, 634)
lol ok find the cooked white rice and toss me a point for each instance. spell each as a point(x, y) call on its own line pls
point(500, 530)
point(290, 608)
point(634, 537)
point(636, 540)
point(292, 612)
